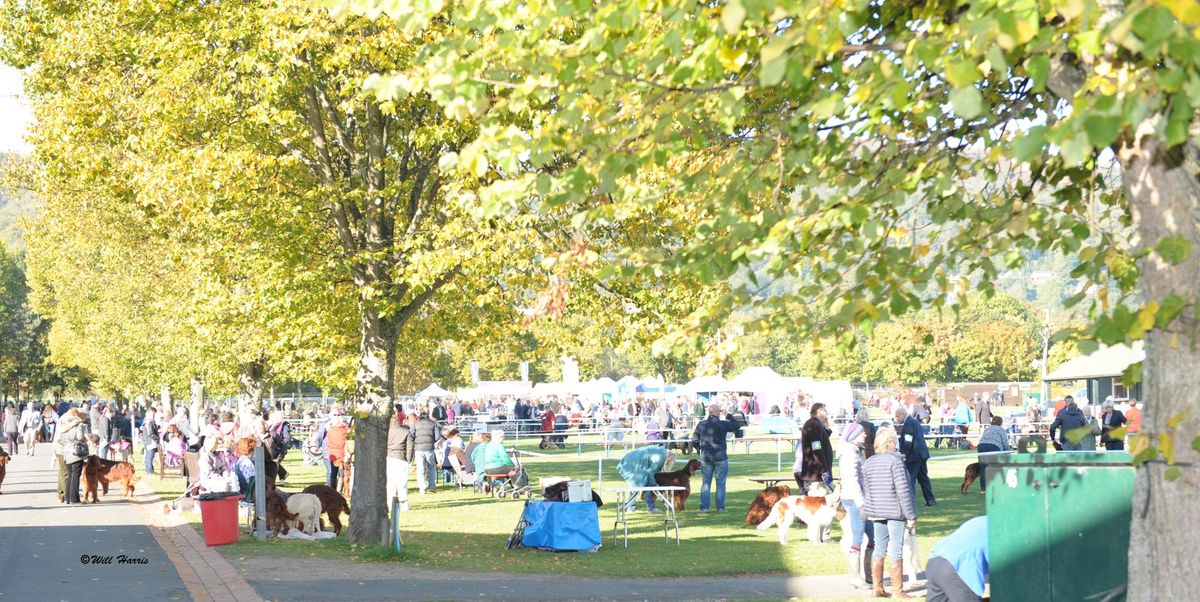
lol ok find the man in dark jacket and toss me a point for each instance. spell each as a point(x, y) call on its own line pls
point(438, 413)
point(709, 437)
point(426, 433)
point(814, 458)
point(1067, 419)
point(916, 455)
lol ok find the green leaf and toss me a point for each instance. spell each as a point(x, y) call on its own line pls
point(1172, 473)
point(1076, 435)
point(967, 102)
point(1074, 150)
point(1038, 68)
point(1102, 130)
point(1153, 24)
point(1196, 443)
point(772, 71)
point(1132, 375)
point(962, 73)
point(1174, 249)
point(732, 16)
point(1171, 306)
point(1032, 144)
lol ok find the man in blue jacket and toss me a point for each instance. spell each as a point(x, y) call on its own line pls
point(958, 566)
point(916, 455)
point(709, 438)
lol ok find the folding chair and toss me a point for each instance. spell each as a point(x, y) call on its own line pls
point(462, 478)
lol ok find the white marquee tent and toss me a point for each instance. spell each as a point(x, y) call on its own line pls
point(433, 390)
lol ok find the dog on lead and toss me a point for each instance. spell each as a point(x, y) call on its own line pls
point(969, 477)
point(817, 512)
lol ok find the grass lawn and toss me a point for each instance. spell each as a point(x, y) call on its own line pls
point(455, 529)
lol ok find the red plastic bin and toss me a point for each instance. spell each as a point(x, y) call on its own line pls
point(220, 520)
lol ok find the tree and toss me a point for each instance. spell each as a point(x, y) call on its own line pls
point(908, 352)
point(834, 141)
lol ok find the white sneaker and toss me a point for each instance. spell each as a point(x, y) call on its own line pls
point(404, 507)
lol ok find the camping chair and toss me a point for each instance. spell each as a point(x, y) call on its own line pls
point(462, 478)
point(172, 456)
point(191, 460)
point(247, 504)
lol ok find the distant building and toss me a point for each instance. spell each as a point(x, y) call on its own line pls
point(1101, 370)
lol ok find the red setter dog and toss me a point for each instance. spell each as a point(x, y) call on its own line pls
point(333, 504)
point(278, 517)
point(969, 476)
point(99, 473)
point(3, 465)
point(761, 507)
point(679, 478)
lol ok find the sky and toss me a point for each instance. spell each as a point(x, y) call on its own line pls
point(15, 114)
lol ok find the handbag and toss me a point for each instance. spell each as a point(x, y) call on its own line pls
point(80, 449)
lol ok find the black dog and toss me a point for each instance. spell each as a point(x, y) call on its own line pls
point(558, 493)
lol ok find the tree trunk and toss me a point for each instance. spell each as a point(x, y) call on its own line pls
point(1164, 197)
point(252, 381)
point(372, 410)
point(197, 404)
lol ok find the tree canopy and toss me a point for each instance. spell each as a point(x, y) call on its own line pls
point(880, 157)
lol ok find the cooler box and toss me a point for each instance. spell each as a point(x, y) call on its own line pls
point(219, 518)
point(561, 526)
point(579, 491)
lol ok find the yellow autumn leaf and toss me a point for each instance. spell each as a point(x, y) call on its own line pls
point(732, 58)
point(1166, 446)
point(1187, 11)
point(1137, 443)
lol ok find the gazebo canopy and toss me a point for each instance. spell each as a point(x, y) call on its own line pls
point(707, 384)
point(434, 390)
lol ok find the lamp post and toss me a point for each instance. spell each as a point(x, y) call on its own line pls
point(1045, 355)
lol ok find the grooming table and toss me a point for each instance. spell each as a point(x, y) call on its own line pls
point(665, 494)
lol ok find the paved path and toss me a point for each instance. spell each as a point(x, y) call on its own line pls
point(42, 543)
point(43, 546)
point(322, 579)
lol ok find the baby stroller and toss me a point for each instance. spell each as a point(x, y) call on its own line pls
point(516, 486)
point(312, 453)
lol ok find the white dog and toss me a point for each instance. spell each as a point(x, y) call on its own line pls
point(817, 512)
point(308, 507)
point(911, 555)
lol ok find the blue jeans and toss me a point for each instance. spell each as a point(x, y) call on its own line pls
point(707, 469)
point(150, 460)
point(857, 526)
point(889, 535)
point(331, 473)
point(649, 497)
point(426, 470)
point(983, 448)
